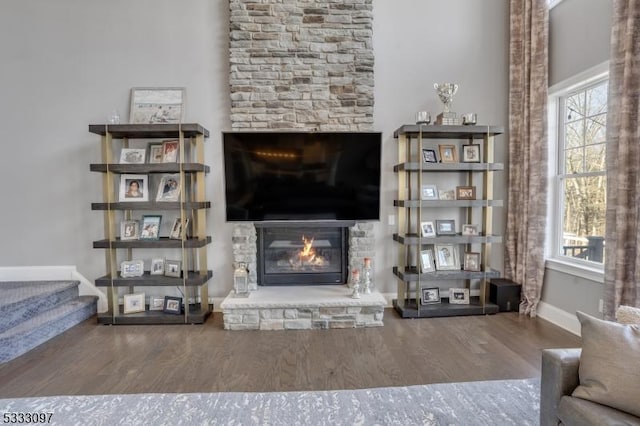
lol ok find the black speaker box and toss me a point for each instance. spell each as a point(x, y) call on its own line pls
point(504, 293)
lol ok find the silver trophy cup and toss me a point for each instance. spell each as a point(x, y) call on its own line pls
point(445, 93)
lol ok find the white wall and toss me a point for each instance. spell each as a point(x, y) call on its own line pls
point(66, 64)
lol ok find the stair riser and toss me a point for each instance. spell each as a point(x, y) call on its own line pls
point(12, 315)
point(19, 343)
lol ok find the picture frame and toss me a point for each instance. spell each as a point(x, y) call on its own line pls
point(427, 261)
point(427, 229)
point(131, 268)
point(156, 303)
point(129, 230)
point(430, 295)
point(157, 266)
point(176, 229)
point(132, 155)
point(172, 305)
point(429, 192)
point(459, 296)
point(133, 303)
point(169, 188)
point(448, 153)
point(134, 188)
point(471, 261)
point(465, 192)
point(150, 227)
point(470, 229)
point(172, 268)
point(170, 151)
point(155, 153)
point(447, 194)
point(429, 155)
point(447, 258)
point(471, 153)
point(157, 105)
point(445, 227)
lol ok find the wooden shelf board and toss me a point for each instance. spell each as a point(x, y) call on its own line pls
point(444, 309)
point(150, 205)
point(447, 167)
point(447, 203)
point(142, 131)
point(149, 168)
point(448, 132)
point(163, 242)
point(196, 316)
point(410, 274)
point(414, 239)
point(194, 279)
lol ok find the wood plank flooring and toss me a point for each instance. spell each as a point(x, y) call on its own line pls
point(99, 359)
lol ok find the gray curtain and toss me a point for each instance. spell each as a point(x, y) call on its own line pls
point(527, 180)
point(622, 256)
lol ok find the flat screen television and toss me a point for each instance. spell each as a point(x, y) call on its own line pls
point(302, 176)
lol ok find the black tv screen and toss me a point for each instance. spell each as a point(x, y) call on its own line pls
point(302, 176)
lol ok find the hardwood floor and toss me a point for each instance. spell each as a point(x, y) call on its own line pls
point(98, 359)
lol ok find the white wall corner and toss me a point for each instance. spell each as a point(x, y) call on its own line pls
point(65, 272)
point(557, 316)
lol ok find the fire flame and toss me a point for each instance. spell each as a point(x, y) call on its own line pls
point(307, 254)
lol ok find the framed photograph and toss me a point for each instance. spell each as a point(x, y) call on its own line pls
point(447, 194)
point(446, 227)
point(134, 188)
point(176, 229)
point(172, 305)
point(133, 303)
point(459, 296)
point(169, 188)
point(429, 192)
point(170, 151)
point(172, 268)
point(150, 227)
point(447, 257)
point(426, 261)
point(131, 268)
point(157, 105)
point(129, 230)
point(469, 229)
point(471, 153)
point(465, 192)
point(156, 303)
point(157, 266)
point(430, 296)
point(155, 153)
point(471, 261)
point(132, 156)
point(429, 156)
point(427, 229)
point(448, 153)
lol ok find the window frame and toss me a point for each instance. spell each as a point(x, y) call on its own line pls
point(557, 93)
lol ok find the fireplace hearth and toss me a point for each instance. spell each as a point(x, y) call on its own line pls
point(306, 254)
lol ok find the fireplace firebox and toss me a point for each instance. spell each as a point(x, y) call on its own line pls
point(302, 254)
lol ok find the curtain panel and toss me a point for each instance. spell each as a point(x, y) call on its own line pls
point(622, 255)
point(527, 180)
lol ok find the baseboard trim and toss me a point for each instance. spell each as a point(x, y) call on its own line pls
point(64, 272)
point(557, 316)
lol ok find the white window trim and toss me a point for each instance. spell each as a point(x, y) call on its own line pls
point(587, 270)
point(553, 3)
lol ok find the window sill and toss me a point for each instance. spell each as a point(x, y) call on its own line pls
point(570, 268)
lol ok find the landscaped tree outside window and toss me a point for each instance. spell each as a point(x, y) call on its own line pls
point(583, 172)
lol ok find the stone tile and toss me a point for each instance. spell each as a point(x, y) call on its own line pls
point(297, 324)
point(272, 324)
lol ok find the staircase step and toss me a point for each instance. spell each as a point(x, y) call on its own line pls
point(38, 329)
point(21, 300)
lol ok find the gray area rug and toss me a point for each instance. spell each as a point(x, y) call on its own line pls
point(503, 402)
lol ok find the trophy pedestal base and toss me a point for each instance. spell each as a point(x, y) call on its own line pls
point(447, 119)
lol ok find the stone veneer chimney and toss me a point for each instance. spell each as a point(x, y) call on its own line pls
point(301, 65)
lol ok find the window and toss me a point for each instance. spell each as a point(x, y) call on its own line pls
point(580, 179)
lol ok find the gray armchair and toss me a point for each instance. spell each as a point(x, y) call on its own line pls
point(557, 406)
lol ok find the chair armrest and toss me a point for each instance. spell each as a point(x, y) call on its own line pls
point(559, 378)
